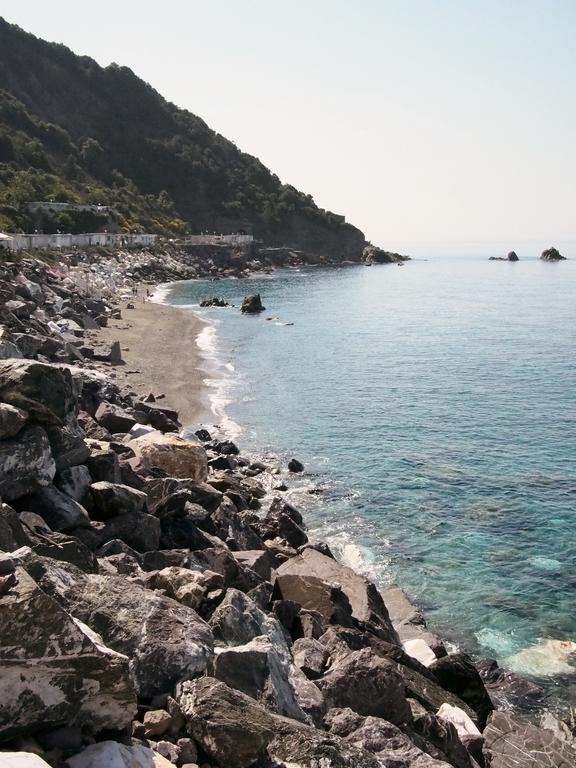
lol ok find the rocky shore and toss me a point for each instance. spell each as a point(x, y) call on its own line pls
point(158, 606)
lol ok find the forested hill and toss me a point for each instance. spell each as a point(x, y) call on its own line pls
point(73, 131)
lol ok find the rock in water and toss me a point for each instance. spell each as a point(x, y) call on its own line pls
point(513, 256)
point(252, 304)
point(552, 254)
point(54, 670)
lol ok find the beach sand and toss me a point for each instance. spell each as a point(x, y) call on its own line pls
point(160, 354)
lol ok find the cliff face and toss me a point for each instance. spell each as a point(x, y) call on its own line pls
point(78, 132)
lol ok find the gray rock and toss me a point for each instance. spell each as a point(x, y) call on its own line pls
point(456, 673)
point(369, 685)
point(108, 351)
point(259, 671)
point(12, 534)
point(113, 418)
point(68, 445)
point(385, 740)
point(238, 620)
point(103, 463)
point(315, 594)
point(54, 670)
point(60, 512)
point(199, 493)
point(552, 254)
point(259, 560)
point(366, 602)
point(12, 420)
point(511, 741)
point(139, 530)
point(310, 656)
point(111, 754)
point(47, 392)
point(74, 482)
point(234, 731)
point(164, 640)
point(26, 463)
point(111, 499)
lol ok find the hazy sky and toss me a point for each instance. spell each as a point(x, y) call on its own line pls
point(416, 119)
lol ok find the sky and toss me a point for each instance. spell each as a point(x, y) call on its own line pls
point(416, 119)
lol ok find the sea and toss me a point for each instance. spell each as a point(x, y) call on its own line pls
point(434, 408)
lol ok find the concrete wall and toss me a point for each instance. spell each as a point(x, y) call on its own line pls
point(28, 242)
point(219, 240)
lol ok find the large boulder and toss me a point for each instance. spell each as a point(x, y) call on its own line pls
point(68, 445)
point(26, 463)
point(513, 742)
point(366, 602)
point(111, 499)
point(234, 731)
point(178, 457)
point(113, 418)
point(164, 640)
point(55, 671)
point(258, 670)
point(456, 673)
point(60, 512)
point(238, 620)
point(198, 493)
point(369, 685)
point(47, 392)
point(386, 741)
point(12, 420)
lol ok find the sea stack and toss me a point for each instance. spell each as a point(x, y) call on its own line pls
point(552, 254)
point(252, 304)
point(513, 256)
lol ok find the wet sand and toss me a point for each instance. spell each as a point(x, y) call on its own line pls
point(160, 354)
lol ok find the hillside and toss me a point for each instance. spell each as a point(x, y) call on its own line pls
point(73, 131)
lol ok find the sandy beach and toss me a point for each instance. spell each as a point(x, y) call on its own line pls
point(160, 355)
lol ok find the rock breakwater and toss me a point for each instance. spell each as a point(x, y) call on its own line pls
point(158, 607)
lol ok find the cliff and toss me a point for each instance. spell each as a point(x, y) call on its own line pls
point(73, 131)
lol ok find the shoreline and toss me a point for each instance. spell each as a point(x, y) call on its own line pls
point(175, 565)
point(160, 353)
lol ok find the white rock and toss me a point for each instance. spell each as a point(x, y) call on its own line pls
point(21, 760)
point(110, 754)
point(420, 650)
point(459, 720)
point(141, 429)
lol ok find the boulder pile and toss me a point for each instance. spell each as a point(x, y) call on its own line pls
point(158, 607)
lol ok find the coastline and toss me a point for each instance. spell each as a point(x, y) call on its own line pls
point(161, 355)
point(182, 566)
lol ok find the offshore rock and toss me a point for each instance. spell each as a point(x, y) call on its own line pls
point(252, 304)
point(54, 670)
point(26, 463)
point(552, 254)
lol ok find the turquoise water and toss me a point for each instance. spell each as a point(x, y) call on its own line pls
point(434, 405)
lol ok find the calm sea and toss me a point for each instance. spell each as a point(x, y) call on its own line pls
point(434, 406)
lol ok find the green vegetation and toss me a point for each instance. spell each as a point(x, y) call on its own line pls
point(72, 131)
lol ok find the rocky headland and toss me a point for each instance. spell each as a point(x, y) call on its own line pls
point(161, 603)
